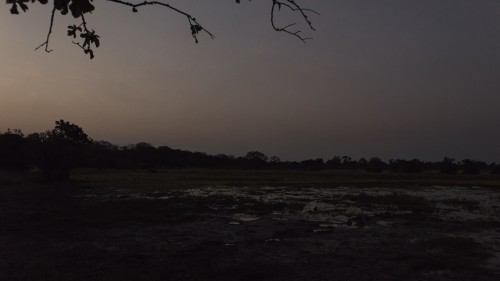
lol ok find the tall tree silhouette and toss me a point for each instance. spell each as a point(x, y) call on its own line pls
point(88, 39)
point(59, 150)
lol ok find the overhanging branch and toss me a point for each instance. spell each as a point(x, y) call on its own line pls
point(46, 43)
point(78, 8)
point(294, 7)
point(195, 26)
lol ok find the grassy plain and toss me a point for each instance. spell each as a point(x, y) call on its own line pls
point(249, 225)
point(188, 178)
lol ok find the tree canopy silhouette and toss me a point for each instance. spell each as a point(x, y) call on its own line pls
point(88, 39)
point(58, 151)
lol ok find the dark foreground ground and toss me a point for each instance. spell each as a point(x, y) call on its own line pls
point(203, 225)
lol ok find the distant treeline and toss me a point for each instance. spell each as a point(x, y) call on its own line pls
point(58, 151)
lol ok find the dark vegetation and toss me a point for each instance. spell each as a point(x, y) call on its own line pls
point(56, 152)
point(141, 212)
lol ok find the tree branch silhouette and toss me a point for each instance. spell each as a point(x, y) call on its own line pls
point(90, 39)
point(46, 43)
point(195, 27)
point(293, 6)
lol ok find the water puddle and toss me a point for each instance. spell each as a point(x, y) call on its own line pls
point(245, 218)
point(339, 207)
point(329, 210)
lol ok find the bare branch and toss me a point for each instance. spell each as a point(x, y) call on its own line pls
point(46, 43)
point(293, 6)
point(78, 8)
point(195, 26)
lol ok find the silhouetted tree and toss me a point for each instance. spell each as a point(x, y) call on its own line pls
point(145, 155)
point(376, 165)
point(313, 164)
point(348, 163)
point(274, 162)
point(334, 163)
point(102, 155)
point(256, 156)
point(274, 159)
point(406, 166)
point(362, 164)
point(472, 167)
point(448, 166)
point(88, 39)
point(494, 168)
point(414, 166)
point(59, 150)
point(56, 152)
point(255, 160)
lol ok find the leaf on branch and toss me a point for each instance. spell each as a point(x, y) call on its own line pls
point(90, 38)
point(22, 3)
point(72, 30)
point(14, 10)
point(77, 7)
point(90, 52)
point(61, 5)
point(23, 6)
point(195, 29)
point(80, 7)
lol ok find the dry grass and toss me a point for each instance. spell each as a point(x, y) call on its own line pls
point(174, 179)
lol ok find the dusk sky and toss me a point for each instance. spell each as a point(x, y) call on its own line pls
point(387, 78)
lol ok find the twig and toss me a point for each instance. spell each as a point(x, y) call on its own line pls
point(192, 20)
point(46, 43)
point(293, 6)
point(195, 26)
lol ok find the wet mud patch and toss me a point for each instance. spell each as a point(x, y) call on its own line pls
point(258, 233)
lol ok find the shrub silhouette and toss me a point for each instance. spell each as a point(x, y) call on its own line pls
point(13, 153)
point(448, 166)
point(59, 150)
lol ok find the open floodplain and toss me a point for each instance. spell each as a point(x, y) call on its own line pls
point(250, 225)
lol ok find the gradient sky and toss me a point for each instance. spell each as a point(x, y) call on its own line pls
point(386, 78)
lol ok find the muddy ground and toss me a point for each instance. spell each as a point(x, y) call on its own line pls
point(97, 231)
